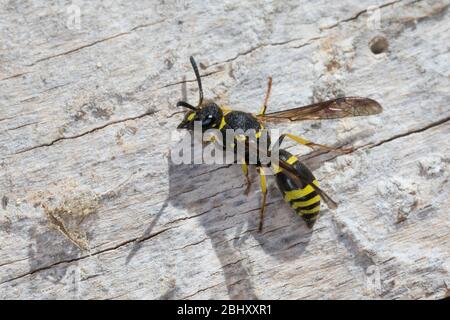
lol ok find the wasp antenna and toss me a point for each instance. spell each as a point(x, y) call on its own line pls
point(185, 105)
point(199, 81)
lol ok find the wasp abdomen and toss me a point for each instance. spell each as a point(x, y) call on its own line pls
point(302, 198)
point(305, 201)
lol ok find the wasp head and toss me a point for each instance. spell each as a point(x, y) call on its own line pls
point(207, 112)
point(210, 116)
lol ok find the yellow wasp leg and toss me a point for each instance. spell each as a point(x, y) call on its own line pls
point(313, 145)
point(264, 194)
point(266, 100)
point(247, 178)
point(207, 140)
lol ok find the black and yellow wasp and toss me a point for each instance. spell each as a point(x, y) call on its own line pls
point(297, 183)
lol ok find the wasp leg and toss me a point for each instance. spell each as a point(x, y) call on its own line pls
point(211, 139)
point(266, 99)
point(264, 194)
point(312, 144)
point(248, 182)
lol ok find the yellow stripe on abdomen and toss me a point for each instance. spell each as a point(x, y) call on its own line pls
point(300, 204)
point(316, 209)
point(299, 193)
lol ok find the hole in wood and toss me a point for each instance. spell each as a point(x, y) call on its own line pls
point(378, 44)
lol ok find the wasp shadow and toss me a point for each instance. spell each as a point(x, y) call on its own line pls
point(214, 194)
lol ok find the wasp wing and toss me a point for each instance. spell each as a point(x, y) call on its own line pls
point(331, 109)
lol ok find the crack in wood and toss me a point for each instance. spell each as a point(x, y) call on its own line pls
point(263, 45)
point(122, 244)
point(22, 126)
point(201, 290)
point(191, 244)
point(187, 81)
point(370, 146)
point(15, 76)
point(95, 42)
point(357, 15)
point(84, 133)
point(401, 135)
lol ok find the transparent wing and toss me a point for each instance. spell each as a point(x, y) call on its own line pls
point(331, 109)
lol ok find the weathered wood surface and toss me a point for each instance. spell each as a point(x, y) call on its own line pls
point(85, 130)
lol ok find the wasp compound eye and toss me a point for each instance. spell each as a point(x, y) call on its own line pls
point(207, 121)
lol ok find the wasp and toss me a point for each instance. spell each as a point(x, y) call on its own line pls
point(297, 183)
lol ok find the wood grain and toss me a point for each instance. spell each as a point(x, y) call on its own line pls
point(94, 208)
